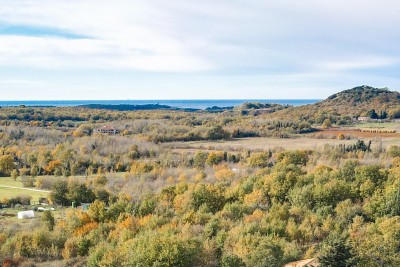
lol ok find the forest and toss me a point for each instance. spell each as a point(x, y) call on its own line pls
point(131, 199)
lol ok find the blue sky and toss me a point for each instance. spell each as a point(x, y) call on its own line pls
point(128, 49)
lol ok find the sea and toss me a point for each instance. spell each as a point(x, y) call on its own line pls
point(195, 104)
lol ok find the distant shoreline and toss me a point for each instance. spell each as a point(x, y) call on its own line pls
point(181, 104)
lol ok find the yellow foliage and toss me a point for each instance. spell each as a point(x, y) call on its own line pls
point(170, 180)
point(61, 225)
point(254, 197)
point(181, 202)
point(139, 167)
point(224, 174)
point(321, 169)
point(199, 177)
point(293, 230)
point(255, 217)
point(311, 252)
point(77, 134)
point(189, 217)
point(182, 178)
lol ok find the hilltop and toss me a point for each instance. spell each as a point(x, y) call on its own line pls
point(363, 97)
point(348, 104)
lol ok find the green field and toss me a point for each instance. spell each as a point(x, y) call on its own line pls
point(10, 182)
point(6, 192)
point(13, 192)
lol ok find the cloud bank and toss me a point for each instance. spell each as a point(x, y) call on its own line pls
point(197, 49)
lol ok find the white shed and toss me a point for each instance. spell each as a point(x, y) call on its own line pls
point(28, 214)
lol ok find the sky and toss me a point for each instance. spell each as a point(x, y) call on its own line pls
point(186, 49)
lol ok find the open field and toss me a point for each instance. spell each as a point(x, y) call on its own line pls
point(357, 134)
point(10, 182)
point(6, 192)
point(382, 125)
point(261, 143)
point(10, 188)
point(12, 221)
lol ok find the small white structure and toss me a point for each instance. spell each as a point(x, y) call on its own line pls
point(106, 130)
point(28, 214)
point(365, 119)
point(42, 209)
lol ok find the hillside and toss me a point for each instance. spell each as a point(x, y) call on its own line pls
point(363, 97)
point(343, 106)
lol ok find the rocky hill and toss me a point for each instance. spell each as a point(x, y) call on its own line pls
point(349, 104)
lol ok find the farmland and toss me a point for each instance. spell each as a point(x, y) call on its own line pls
point(310, 141)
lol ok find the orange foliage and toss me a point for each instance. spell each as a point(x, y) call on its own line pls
point(52, 166)
point(145, 220)
point(86, 229)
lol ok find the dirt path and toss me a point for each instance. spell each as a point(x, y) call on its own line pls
point(30, 189)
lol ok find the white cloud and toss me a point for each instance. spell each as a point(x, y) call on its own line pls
point(20, 82)
point(48, 52)
point(288, 43)
point(358, 64)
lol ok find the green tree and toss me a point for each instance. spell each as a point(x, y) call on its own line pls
point(335, 253)
point(48, 219)
point(97, 211)
point(155, 249)
point(59, 193)
point(147, 206)
point(80, 193)
point(372, 114)
point(199, 159)
point(217, 133)
point(232, 261)
point(208, 195)
point(376, 244)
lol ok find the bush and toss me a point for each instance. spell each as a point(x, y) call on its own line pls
point(22, 200)
point(155, 249)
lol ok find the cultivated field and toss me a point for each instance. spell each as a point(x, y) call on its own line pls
point(260, 143)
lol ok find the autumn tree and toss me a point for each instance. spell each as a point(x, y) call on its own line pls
point(6, 164)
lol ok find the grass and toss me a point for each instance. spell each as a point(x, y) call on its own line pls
point(10, 182)
point(12, 192)
point(13, 223)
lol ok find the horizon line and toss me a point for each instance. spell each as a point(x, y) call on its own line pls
point(177, 99)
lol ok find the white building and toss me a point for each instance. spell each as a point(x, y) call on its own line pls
point(106, 130)
point(27, 214)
